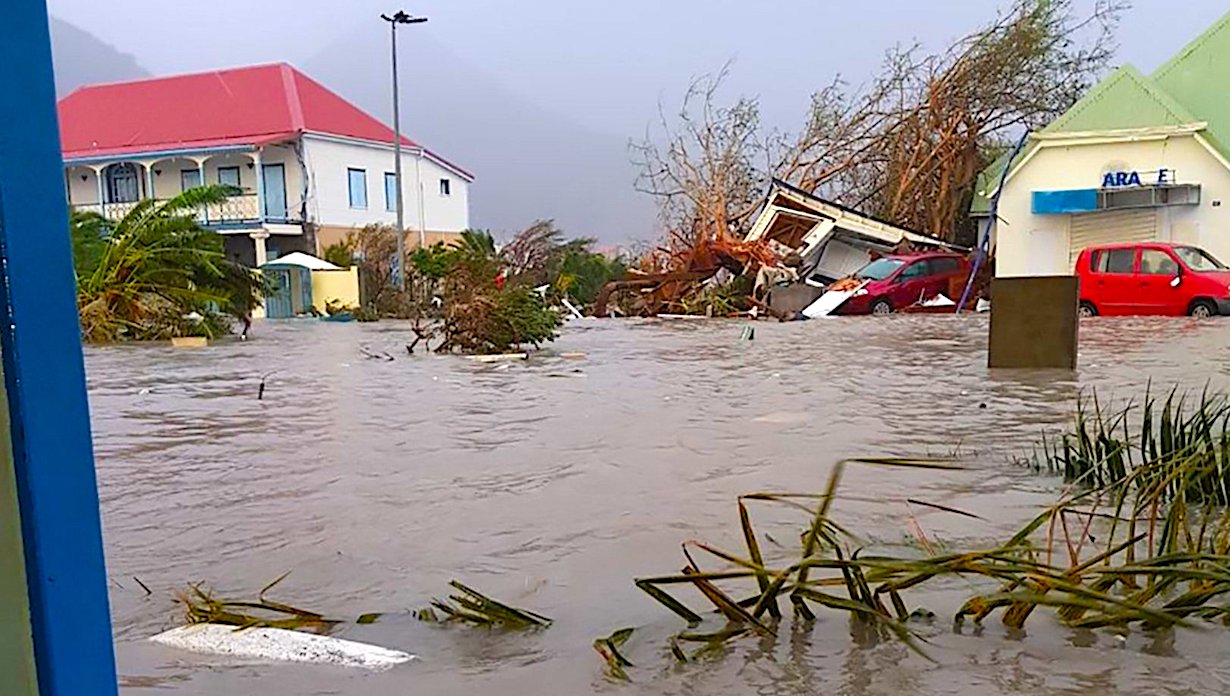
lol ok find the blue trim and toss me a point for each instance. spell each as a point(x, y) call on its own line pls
point(44, 374)
point(130, 156)
point(1062, 202)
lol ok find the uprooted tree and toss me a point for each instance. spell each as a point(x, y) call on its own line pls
point(907, 147)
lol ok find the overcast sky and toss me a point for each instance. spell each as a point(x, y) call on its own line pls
point(606, 64)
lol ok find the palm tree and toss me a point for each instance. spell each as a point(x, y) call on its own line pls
point(157, 274)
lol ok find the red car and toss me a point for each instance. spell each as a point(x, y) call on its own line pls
point(898, 281)
point(1153, 278)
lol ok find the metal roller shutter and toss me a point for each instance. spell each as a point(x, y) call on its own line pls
point(1110, 227)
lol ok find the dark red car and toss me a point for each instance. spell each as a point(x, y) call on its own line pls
point(898, 281)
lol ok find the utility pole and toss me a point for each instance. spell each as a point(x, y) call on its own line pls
point(400, 18)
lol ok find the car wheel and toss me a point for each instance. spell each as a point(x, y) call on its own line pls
point(1202, 309)
point(881, 307)
point(1087, 310)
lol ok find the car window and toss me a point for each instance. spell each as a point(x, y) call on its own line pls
point(879, 269)
point(1157, 262)
point(1114, 261)
point(1199, 260)
point(918, 269)
point(944, 264)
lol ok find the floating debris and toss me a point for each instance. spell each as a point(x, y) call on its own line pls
point(473, 607)
point(608, 648)
point(281, 645)
point(503, 357)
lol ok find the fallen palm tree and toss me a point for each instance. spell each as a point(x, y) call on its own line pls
point(1141, 540)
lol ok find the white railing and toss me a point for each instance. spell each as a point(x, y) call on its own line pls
point(235, 209)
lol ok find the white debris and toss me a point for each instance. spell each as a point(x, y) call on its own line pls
point(830, 301)
point(499, 358)
point(940, 300)
point(280, 645)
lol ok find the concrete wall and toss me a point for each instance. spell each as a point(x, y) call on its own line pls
point(243, 161)
point(168, 182)
point(329, 202)
point(339, 286)
point(1032, 245)
point(82, 191)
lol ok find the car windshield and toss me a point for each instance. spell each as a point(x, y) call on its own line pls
point(1199, 259)
point(879, 269)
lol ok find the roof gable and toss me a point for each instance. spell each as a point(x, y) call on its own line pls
point(1125, 100)
point(1197, 77)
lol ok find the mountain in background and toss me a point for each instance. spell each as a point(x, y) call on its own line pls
point(530, 162)
point(81, 58)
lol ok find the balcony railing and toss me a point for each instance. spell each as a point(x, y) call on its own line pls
point(235, 210)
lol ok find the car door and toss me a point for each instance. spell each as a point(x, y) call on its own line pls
point(911, 283)
point(1159, 294)
point(1114, 286)
point(943, 270)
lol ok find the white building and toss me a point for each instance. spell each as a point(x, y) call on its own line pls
point(310, 166)
point(1139, 158)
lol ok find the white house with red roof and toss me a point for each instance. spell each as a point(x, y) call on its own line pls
point(310, 166)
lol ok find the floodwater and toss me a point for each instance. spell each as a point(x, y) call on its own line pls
point(553, 483)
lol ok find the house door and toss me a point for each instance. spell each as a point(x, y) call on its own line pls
point(278, 302)
point(275, 191)
point(123, 185)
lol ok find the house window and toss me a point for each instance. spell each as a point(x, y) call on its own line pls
point(358, 188)
point(446, 187)
point(229, 176)
point(189, 179)
point(390, 192)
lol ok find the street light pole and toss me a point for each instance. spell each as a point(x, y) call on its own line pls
point(399, 18)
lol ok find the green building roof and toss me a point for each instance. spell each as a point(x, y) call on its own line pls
point(1187, 89)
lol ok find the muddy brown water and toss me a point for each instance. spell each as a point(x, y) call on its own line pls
point(553, 483)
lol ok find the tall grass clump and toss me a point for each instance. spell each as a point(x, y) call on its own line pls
point(1174, 446)
point(1140, 540)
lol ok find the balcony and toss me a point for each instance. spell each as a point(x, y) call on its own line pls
point(130, 181)
point(241, 210)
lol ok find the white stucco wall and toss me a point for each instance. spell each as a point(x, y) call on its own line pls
point(328, 162)
point(1028, 244)
point(82, 191)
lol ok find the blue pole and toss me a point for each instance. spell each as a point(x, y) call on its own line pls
point(984, 244)
point(44, 376)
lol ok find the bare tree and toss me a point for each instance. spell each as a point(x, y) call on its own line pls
point(707, 167)
point(908, 146)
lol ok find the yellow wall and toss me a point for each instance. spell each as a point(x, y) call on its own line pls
point(340, 286)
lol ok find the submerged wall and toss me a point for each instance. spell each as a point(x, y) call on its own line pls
point(340, 286)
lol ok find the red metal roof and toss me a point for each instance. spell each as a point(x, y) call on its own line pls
point(238, 107)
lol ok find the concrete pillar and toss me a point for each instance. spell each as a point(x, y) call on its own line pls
point(258, 241)
point(102, 198)
point(149, 179)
